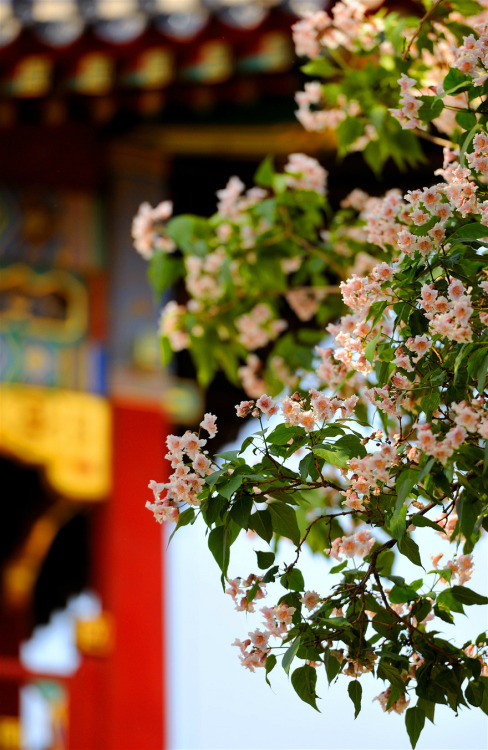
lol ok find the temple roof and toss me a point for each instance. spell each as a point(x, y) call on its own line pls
point(58, 23)
point(142, 54)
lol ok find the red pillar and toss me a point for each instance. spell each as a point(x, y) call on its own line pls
point(128, 573)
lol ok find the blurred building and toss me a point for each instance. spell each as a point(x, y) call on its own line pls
point(104, 104)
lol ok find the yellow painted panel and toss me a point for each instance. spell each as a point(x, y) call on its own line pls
point(67, 432)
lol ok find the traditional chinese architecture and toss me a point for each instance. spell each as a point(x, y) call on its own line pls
point(104, 104)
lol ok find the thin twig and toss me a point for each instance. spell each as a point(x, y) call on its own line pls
point(433, 138)
point(327, 516)
point(419, 27)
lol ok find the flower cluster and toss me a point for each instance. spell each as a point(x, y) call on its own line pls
point(397, 706)
point(305, 173)
point(191, 465)
point(380, 434)
point(148, 229)
point(473, 55)
point(237, 590)
point(460, 567)
point(276, 623)
point(258, 327)
point(358, 544)
point(409, 105)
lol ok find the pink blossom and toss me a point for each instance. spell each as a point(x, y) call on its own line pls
point(267, 405)
point(310, 599)
point(307, 420)
point(435, 559)
point(284, 613)
point(208, 424)
point(147, 230)
point(307, 173)
point(259, 639)
point(201, 464)
point(244, 408)
point(192, 444)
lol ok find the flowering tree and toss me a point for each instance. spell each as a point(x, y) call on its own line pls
point(380, 428)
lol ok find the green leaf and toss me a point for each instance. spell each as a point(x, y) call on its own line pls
point(423, 521)
point(283, 433)
point(213, 509)
point(474, 231)
point(219, 544)
point(447, 601)
point(430, 403)
point(481, 375)
point(466, 120)
point(189, 233)
point(228, 488)
point(474, 693)
point(428, 707)
point(269, 577)
point(467, 596)
point(164, 270)
point(383, 622)
point(385, 671)
point(402, 594)
point(284, 521)
point(265, 172)
point(468, 512)
point(265, 559)
point(410, 549)
point(443, 613)
point(270, 665)
point(332, 455)
point(341, 452)
point(397, 525)
point(455, 80)
point(370, 349)
point(474, 665)
point(241, 511)
point(466, 7)
point(319, 67)
point(427, 468)
point(304, 680)
point(184, 519)
point(374, 157)
point(421, 609)
point(352, 445)
point(404, 484)
point(280, 183)
point(260, 522)
point(430, 109)
point(348, 131)
point(376, 312)
point(252, 592)
point(385, 564)
point(332, 666)
point(355, 692)
point(229, 455)
point(293, 580)
point(338, 568)
point(307, 466)
point(166, 351)
point(467, 141)
point(414, 721)
point(290, 654)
